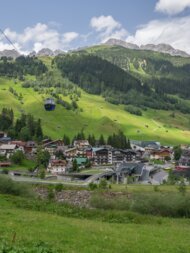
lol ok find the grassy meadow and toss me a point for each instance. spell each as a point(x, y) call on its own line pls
point(145, 234)
point(108, 228)
point(97, 117)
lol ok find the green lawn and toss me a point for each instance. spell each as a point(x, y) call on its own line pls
point(132, 188)
point(86, 236)
point(26, 165)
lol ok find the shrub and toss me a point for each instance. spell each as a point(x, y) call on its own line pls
point(59, 187)
point(5, 171)
point(121, 203)
point(92, 186)
point(51, 194)
point(8, 186)
point(133, 110)
point(182, 187)
point(156, 188)
point(17, 157)
point(103, 184)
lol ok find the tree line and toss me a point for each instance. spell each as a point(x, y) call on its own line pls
point(21, 66)
point(99, 76)
point(116, 140)
point(24, 128)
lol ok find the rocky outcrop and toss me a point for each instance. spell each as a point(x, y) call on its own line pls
point(45, 52)
point(9, 53)
point(162, 48)
point(116, 42)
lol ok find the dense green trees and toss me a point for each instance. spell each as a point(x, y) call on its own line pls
point(43, 157)
point(21, 66)
point(119, 140)
point(25, 128)
point(6, 119)
point(96, 75)
point(66, 140)
point(177, 152)
point(133, 110)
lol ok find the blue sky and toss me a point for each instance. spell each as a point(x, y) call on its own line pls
point(63, 24)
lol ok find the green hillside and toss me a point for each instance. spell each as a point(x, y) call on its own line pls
point(97, 117)
point(94, 114)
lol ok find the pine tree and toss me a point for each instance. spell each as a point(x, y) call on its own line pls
point(39, 133)
point(101, 140)
point(66, 140)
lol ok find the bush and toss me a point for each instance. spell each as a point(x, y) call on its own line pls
point(18, 157)
point(103, 184)
point(5, 171)
point(51, 194)
point(133, 110)
point(169, 205)
point(59, 187)
point(8, 186)
point(121, 203)
point(154, 203)
point(182, 187)
point(92, 186)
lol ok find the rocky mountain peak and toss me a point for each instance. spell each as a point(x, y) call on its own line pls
point(9, 53)
point(45, 52)
point(162, 47)
point(116, 42)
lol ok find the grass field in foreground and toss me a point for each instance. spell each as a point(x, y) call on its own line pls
point(98, 117)
point(86, 236)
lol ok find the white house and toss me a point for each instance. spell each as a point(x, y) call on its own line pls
point(8, 149)
point(57, 166)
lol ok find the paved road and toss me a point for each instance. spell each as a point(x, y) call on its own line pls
point(33, 180)
point(160, 176)
point(85, 183)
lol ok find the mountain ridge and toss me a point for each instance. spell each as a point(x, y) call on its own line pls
point(161, 47)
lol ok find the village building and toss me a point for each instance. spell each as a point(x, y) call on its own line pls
point(57, 166)
point(120, 155)
point(81, 144)
point(160, 154)
point(81, 161)
point(135, 170)
point(5, 164)
point(71, 152)
point(8, 149)
point(30, 147)
point(52, 146)
point(20, 144)
point(102, 156)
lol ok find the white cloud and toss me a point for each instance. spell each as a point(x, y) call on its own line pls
point(174, 31)
point(107, 27)
point(70, 36)
point(38, 37)
point(104, 23)
point(172, 7)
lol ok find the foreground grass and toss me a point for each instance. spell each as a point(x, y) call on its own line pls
point(84, 235)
